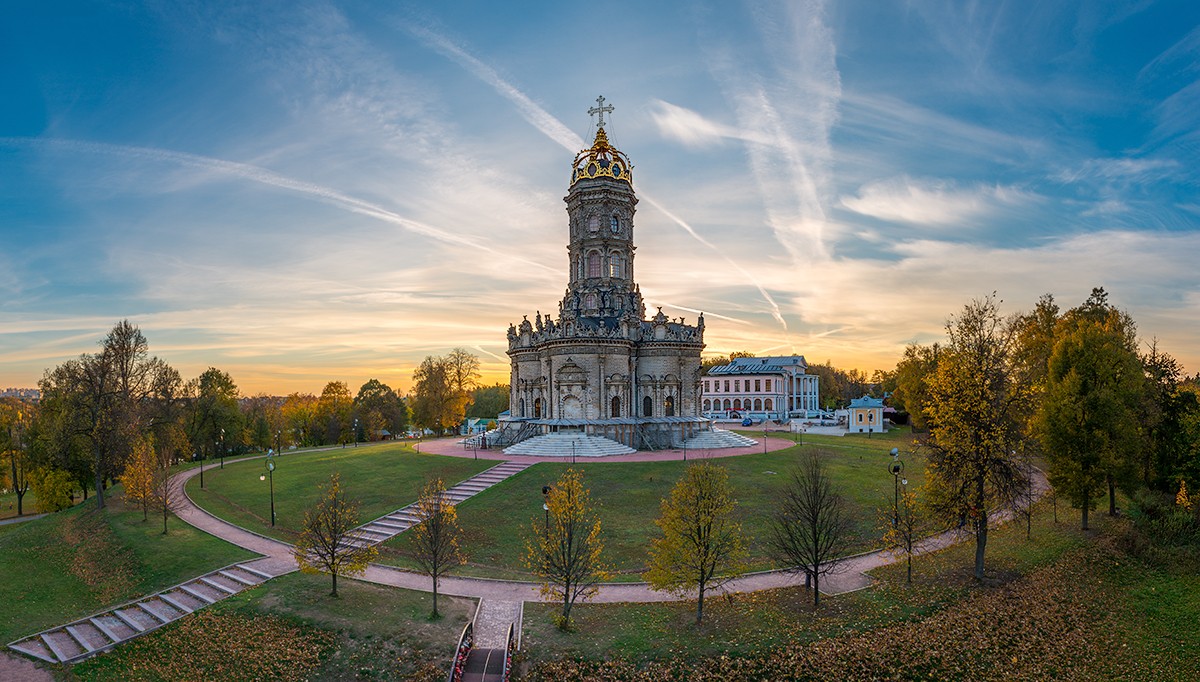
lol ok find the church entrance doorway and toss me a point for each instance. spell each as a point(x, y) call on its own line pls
point(537, 408)
point(669, 406)
point(615, 407)
point(572, 408)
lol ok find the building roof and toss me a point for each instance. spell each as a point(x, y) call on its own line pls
point(866, 402)
point(775, 364)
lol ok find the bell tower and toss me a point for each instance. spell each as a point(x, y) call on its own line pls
point(600, 206)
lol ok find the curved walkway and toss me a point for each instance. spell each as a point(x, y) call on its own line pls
point(278, 560)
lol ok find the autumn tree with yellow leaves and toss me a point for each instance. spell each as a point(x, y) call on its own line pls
point(564, 550)
point(326, 543)
point(701, 546)
point(436, 535)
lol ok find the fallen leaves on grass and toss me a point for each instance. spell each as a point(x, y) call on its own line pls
point(216, 646)
point(1055, 623)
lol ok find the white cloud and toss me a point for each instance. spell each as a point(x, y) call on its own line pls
point(932, 203)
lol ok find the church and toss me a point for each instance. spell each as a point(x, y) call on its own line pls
point(599, 367)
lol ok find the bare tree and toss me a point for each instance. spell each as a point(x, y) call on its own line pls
point(326, 544)
point(435, 537)
point(810, 531)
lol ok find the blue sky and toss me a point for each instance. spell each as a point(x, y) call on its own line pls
point(299, 192)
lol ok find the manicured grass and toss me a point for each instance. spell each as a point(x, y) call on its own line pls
point(79, 561)
point(628, 496)
point(382, 478)
point(291, 629)
point(8, 504)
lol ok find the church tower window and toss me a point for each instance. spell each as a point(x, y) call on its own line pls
point(593, 264)
point(614, 223)
point(589, 302)
point(614, 265)
point(593, 223)
point(647, 407)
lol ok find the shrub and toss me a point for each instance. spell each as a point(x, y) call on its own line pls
point(53, 488)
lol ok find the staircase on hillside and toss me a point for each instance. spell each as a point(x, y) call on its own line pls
point(719, 438)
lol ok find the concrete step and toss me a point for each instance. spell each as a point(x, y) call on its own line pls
point(63, 645)
point(37, 648)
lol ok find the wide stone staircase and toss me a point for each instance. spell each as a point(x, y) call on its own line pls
point(719, 438)
point(86, 637)
point(568, 445)
point(391, 525)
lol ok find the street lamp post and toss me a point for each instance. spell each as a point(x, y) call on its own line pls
point(546, 505)
point(201, 454)
point(764, 440)
point(896, 466)
point(356, 432)
point(222, 448)
point(271, 475)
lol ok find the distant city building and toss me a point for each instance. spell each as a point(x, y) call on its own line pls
point(775, 387)
point(29, 395)
point(866, 415)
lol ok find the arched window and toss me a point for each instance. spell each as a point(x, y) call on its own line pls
point(614, 265)
point(589, 301)
point(737, 403)
point(727, 408)
point(593, 261)
point(670, 406)
point(537, 408)
point(757, 404)
point(647, 407)
point(707, 405)
point(522, 404)
point(616, 406)
point(767, 404)
point(614, 224)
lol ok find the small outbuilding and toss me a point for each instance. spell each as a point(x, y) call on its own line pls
point(866, 415)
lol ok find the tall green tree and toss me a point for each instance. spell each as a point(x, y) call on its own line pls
point(911, 380)
point(701, 546)
point(438, 403)
point(487, 402)
point(215, 421)
point(974, 413)
point(378, 407)
point(1088, 420)
point(335, 413)
point(15, 417)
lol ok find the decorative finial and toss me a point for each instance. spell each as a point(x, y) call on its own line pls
point(600, 109)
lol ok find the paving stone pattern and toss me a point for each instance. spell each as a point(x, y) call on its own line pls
point(88, 636)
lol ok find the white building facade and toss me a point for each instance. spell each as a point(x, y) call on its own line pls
point(770, 388)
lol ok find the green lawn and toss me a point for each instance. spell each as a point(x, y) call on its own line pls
point(8, 504)
point(290, 628)
point(79, 561)
point(382, 478)
point(1063, 601)
point(628, 496)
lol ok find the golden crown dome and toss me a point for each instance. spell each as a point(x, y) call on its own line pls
point(602, 160)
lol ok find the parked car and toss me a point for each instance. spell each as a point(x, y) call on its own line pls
point(747, 422)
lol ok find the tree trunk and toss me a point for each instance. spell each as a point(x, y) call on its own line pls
point(816, 590)
point(334, 593)
point(435, 586)
point(1086, 504)
point(99, 486)
point(700, 606)
point(980, 544)
point(1112, 496)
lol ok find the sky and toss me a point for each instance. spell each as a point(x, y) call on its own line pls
point(300, 192)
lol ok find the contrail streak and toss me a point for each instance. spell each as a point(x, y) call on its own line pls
point(556, 130)
point(266, 177)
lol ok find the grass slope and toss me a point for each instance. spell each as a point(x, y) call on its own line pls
point(79, 561)
point(1064, 604)
point(382, 478)
point(291, 629)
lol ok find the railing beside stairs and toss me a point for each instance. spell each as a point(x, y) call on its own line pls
point(465, 641)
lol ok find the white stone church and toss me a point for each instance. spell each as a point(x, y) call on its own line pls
point(599, 368)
